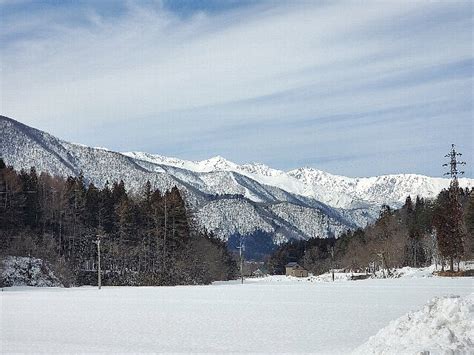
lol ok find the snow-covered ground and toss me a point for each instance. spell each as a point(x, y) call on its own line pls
point(270, 315)
point(444, 325)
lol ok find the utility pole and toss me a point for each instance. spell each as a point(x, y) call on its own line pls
point(241, 247)
point(332, 262)
point(164, 234)
point(99, 279)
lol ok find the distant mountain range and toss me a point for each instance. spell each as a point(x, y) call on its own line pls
point(227, 198)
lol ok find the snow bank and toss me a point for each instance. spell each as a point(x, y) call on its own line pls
point(404, 272)
point(444, 326)
point(26, 271)
point(429, 271)
point(408, 271)
point(327, 277)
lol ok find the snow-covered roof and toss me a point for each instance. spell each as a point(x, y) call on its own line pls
point(293, 264)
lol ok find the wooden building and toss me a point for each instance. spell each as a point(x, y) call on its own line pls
point(294, 269)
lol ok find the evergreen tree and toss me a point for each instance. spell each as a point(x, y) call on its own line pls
point(29, 183)
point(118, 192)
point(449, 224)
point(92, 208)
point(106, 209)
point(469, 222)
point(12, 203)
point(408, 206)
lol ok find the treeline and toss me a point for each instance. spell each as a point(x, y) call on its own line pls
point(146, 239)
point(421, 233)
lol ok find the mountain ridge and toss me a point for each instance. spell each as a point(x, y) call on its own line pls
point(228, 198)
point(353, 191)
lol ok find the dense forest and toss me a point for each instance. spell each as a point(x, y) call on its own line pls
point(146, 239)
point(421, 233)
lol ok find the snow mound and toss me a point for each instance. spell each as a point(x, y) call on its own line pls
point(414, 272)
point(407, 272)
point(338, 277)
point(26, 271)
point(444, 326)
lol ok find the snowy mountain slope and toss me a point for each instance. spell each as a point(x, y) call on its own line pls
point(22, 147)
point(256, 171)
point(43, 151)
point(310, 221)
point(355, 192)
point(225, 201)
point(226, 182)
point(227, 197)
point(227, 216)
point(333, 190)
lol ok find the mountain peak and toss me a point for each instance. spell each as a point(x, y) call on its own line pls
point(216, 163)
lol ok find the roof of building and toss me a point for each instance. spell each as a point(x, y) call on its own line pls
point(292, 264)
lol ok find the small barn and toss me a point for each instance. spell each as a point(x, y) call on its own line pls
point(294, 269)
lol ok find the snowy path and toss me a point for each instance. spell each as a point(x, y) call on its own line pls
point(261, 316)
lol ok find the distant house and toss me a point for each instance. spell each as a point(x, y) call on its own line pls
point(294, 269)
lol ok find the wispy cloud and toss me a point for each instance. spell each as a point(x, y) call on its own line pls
point(283, 83)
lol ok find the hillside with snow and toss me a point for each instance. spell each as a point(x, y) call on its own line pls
point(226, 197)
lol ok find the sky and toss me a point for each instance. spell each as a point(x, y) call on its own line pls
point(356, 88)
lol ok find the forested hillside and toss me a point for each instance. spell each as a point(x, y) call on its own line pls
point(421, 233)
point(146, 239)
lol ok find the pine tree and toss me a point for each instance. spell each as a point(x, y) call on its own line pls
point(408, 206)
point(127, 231)
point(92, 208)
point(469, 222)
point(12, 204)
point(450, 225)
point(118, 192)
point(106, 209)
point(30, 189)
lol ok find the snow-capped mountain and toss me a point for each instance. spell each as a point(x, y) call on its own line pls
point(333, 190)
point(227, 197)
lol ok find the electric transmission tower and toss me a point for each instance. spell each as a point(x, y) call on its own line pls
point(453, 163)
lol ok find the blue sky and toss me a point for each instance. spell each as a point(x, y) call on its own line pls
point(356, 88)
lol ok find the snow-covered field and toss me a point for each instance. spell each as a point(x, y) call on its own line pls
point(269, 315)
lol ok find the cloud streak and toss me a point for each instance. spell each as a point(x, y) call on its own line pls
point(284, 83)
